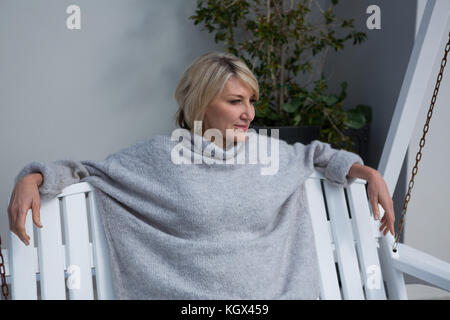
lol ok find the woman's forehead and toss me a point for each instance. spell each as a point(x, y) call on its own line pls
point(236, 86)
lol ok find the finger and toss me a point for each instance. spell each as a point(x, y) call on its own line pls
point(22, 234)
point(383, 225)
point(383, 228)
point(20, 226)
point(387, 230)
point(374, 204)
point(35, 207)
point(390, 224)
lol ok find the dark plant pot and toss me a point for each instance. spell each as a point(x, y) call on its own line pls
point(360, 137)
point(292, 134)
point(306, 134)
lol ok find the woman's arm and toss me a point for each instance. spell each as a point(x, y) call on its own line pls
point(342, 168)
point(378, 193)
point(53, 176)
point(334, 164)
point(361, 171)
point(36, 179)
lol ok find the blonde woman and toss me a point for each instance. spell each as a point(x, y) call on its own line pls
point(209, 228)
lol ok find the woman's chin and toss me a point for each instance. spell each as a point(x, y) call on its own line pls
point(237, 135)
point(240, 136)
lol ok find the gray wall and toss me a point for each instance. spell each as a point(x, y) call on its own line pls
point(374, 71)
point(84, 94)
point(428, 219)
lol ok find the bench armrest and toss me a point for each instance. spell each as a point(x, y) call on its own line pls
point(422, 266)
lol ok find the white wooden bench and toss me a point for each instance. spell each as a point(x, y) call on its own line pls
point(69, 258)
point(355, 260)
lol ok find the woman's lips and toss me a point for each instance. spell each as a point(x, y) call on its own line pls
point(244, 128)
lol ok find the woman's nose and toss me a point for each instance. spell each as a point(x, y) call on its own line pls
point(249, 111)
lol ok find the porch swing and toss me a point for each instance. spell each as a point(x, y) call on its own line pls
point(355, 260)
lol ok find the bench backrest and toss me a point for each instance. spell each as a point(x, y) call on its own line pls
point(70, 260)
point(349, 245)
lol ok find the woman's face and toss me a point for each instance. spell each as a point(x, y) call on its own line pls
point(232, 109)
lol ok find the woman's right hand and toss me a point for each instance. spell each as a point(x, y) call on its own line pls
point(25, 196)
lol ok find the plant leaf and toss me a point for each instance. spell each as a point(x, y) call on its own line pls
point(330, 100)
point(366, 111)
point(289, 107)
point(355, 120)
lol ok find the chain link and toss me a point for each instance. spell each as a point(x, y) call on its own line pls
point(421, 144)
point(5, 290)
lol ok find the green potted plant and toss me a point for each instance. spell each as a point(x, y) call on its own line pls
point(279, 43)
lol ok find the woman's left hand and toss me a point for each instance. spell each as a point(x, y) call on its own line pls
point(378, 193)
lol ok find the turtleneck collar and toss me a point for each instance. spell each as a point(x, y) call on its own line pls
point(201, 146)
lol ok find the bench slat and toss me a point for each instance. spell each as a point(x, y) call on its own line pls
point(22, 264)
point(79, 282)
point(51, 254)
point(366, 243)
point(344, 242)
point(100, 252)
point(329, 286)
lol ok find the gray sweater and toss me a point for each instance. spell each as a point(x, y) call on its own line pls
point(204, 231)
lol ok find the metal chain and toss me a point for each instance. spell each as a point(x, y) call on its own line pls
point(422, 144)
point(5, 290)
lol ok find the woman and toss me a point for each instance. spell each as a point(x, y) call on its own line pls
point(182, 223)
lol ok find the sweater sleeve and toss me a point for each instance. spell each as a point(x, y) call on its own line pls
point(334, 164)
point(59, 174)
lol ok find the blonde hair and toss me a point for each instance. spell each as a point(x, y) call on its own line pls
point(203, 80)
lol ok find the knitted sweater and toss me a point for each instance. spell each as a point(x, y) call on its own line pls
point(202, 230)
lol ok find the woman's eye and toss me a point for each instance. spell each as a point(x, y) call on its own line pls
point(237, 101)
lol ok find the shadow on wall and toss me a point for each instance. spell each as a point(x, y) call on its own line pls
point(156, 47)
